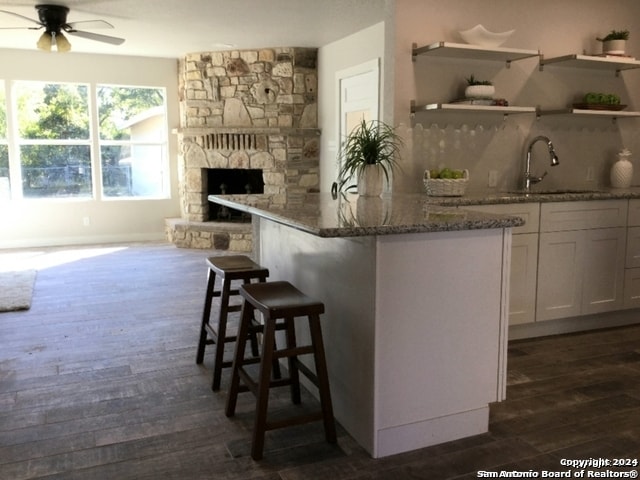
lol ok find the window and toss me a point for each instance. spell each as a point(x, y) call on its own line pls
point(133, 145)
point(54, 144)
point(5, 191)
point(68, 145)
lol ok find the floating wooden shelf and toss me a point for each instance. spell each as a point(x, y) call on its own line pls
point(614, 114)
point(463, 107)
point(474, 52)
point(613, 63)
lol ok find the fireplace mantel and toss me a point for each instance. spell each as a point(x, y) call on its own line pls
point(194, 132)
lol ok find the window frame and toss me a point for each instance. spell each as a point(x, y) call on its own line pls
point(14, 143)
point(163, 143)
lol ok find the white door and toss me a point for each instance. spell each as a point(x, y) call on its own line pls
point(359, 89)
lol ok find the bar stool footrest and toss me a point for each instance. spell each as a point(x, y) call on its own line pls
point(306, 371)
point(296, 420)
point(291, 352)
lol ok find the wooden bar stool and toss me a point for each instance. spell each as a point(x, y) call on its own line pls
point(276, 301)
point(228, 268)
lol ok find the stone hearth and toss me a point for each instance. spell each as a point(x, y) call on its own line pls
point(250, 109)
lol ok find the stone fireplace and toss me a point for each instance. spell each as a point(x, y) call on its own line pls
point(250, 110)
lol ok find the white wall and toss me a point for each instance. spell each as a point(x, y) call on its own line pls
point(363, 46)
point(32, 222)
point(483, 144)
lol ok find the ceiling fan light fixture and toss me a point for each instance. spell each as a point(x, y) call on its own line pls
point(44, 42)
point(51, 40)
point(62, 44)
point(53, 18)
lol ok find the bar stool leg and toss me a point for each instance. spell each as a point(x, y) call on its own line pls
point(323, 378)
point(262, 401)
point(253, 337)
point(238, 357)
point(222, 333)
point(206, 313)
point(290, 335)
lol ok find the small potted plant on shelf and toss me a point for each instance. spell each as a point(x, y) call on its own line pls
point(369, 156)
point(479, 88)
point(615, 42)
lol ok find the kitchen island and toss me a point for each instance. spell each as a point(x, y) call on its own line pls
point(416, 300)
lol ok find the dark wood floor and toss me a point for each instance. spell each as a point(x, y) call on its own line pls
point(98, 381)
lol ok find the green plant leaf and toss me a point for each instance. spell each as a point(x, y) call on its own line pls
point(370, 143)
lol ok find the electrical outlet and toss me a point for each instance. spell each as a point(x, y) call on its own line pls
point(86, 221)
point(493, 178)
point(589, 174)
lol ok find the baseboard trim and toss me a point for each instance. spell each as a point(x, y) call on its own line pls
point(560, 326)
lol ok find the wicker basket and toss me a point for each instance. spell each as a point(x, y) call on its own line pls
point(446, 187)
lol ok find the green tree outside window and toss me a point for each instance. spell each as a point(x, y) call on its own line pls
point(55, 140)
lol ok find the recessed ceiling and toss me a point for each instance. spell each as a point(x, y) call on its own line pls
point(172, 28)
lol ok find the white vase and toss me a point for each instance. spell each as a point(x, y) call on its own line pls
point(614, 47)
point(622, 171)
point(370, 181)
point(479, 91)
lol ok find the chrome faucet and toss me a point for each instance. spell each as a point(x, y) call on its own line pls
point(530, 179)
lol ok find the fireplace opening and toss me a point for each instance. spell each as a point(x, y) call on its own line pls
point(230, 181)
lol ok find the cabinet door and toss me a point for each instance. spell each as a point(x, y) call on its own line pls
point(522, 284)
point(603, 279)
point(632, 288)
point(633, 218)
point(560, 268)
point(633, 247)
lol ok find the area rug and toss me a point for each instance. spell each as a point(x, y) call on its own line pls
point(16, 290)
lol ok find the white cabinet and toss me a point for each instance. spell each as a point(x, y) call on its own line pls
point(524, 259)
point(632, 271)
point(522, 283)
point(559, 275)
point(581, 258)
point(603, 281)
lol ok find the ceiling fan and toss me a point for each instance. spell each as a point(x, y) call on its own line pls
point(53, 18)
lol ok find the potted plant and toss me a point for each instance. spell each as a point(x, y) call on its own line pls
point(615, 42)
point(368, 155)
point(479, 88)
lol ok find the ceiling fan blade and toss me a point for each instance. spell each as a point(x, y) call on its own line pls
point(31, 20)
point(88, 24)
point(21, 28)
point(97, 37)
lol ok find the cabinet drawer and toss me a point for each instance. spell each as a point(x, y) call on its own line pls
point(562, 216)
point(634, 213)
point(530, 212)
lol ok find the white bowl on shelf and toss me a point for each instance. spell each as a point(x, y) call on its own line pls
point(479, 91)
point(479, 35)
